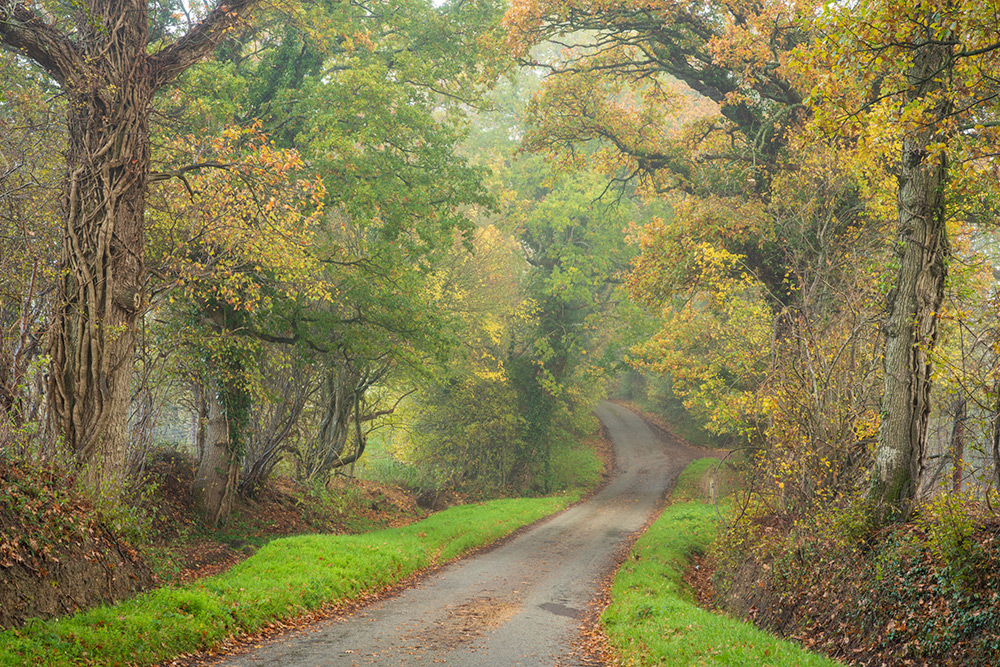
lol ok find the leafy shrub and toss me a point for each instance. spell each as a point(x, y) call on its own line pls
point(950, 522)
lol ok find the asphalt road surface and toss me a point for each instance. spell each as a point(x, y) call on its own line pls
point(519, 604)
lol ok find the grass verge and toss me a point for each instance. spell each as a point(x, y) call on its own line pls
point(287, 577)
point(652, 620)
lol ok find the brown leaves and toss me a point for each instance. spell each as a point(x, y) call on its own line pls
point(894, 604)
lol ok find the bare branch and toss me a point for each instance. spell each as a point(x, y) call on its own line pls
point(180, 173)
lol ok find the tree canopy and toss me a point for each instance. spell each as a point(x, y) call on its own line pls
point(309, 221)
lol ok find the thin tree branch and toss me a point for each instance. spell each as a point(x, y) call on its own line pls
point(179, 173)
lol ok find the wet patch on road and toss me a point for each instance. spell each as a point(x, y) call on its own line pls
point(562, 610)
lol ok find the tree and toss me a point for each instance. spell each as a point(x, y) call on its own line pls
point(574, 245)
point(102, 56)
point(918, 78)
point(29, 232)
point(239, 253)
point(751, 265)
point(374, 99)
point(468, 431)
point(732, 53)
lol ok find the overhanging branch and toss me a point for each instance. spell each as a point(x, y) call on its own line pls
point(199, 41)
point(25, 31)
point(179, 173)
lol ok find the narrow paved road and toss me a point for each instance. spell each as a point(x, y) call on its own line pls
point(519, 604)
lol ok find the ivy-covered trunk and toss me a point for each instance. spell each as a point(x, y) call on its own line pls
point(100, 290)
point(98, 52)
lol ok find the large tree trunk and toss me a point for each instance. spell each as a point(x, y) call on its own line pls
point(911, 325)
point(108, 76)
point(226, 402)
point(101, 287)
point(215, 480)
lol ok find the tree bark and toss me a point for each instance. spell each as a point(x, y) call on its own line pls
point(201, 407)
point(995, 435)
point(109, 79)
point(100, 292)
point(911, 325)
point(958, 446)
point(215, 480)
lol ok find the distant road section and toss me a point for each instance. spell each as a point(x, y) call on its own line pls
point(519, 604)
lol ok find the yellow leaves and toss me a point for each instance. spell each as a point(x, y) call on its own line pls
point(865, 87)
point(495, 330)
point(867, 425)
point(715, 344)
point(250, 223)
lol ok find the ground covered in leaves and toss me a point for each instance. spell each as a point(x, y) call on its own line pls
point(56, 553)
point(923, 593)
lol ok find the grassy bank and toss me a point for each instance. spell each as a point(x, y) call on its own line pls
point(652, 620)
point(287, 577)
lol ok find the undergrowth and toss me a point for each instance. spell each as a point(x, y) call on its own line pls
point(652, 619)
point(37, 512)
point(922, 593)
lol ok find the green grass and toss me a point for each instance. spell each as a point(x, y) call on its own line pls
point(287, 577)
point(575, 465)
point(652, 620)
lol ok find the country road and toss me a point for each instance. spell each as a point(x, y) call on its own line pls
point(519, 604)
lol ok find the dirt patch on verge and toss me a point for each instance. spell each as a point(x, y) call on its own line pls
point(55, 557)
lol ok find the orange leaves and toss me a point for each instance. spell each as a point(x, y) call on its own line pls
point(756, 38)
point(525, 17)
point(632, 118)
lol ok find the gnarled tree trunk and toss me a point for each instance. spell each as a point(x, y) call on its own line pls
point(101, 286)
point(911, 325)
point(104, 67)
